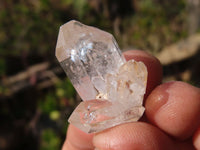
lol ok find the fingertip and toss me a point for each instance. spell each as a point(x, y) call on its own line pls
point(174, 108)
point(77, 139)
point(138, 54)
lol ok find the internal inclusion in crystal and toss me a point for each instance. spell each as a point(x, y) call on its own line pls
point(111, 88)
point(125, 91)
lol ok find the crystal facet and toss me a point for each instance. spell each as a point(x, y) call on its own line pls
point(111, 88)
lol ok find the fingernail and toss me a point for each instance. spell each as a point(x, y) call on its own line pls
point(96, 148)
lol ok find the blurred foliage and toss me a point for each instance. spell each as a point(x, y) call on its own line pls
point(64, 89)
point(52, 105)
point(49, 103)
point(28, 35)
point(63, 96)
point(155, 25)
point(50, 141)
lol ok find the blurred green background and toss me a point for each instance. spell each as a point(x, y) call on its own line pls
point(36, 98)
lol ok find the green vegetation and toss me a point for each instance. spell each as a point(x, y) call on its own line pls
point(50, 141)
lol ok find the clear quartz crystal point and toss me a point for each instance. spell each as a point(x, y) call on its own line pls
point(112, 89)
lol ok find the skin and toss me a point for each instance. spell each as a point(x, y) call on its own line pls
point(171, 120)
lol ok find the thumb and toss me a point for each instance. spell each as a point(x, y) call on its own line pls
point(133, 136)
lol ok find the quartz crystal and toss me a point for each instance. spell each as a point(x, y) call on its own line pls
point(112, 89)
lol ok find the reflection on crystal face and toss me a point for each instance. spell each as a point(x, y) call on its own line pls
point(111, 88)
point(87, 53)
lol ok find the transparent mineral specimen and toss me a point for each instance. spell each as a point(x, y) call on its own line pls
point(111, 88)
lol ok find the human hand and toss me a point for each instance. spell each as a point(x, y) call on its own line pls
point(171, 120)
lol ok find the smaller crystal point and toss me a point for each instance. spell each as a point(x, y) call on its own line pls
point(111, 88)
point(124, 100)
